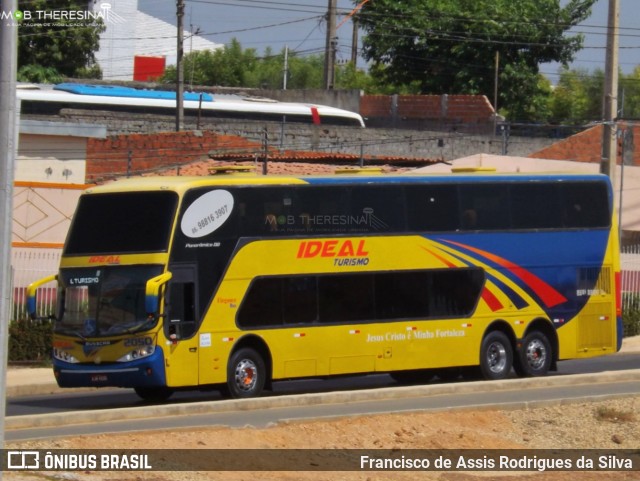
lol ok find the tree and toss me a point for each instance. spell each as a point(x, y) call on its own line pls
point(450, 46)
point(577, 99)
point(65, 46)
point(629, 97)
point(231, 66)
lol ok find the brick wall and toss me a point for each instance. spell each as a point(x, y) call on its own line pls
point(372, 106)
point(460, 112)
point(109, 158)
point(586, 146)
point(116, 155)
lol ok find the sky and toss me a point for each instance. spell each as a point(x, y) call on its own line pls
point(299, 25)
point(592, 56)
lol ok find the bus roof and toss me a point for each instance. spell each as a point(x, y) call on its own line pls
point(184, 183)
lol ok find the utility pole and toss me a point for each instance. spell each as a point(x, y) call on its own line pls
point(286, 67)
point(8, 141)
point(330, 47)
point(354, 43)
point(495, 92)
point(180, 68)
point(609, 144)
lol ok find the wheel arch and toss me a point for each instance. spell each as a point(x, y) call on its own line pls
point(504, 327)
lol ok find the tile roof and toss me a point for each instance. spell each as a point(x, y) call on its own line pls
point(298, 163)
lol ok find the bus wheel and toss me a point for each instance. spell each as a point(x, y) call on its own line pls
point(534, 357)
point(246, 374)
point(496, 356)
point(153, 394)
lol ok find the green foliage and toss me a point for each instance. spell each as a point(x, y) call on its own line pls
point(629, 98)
point(231, 66)
point(66, 46)
point(30, 340)
point(450, 46)
point(39, 74)
point(306, 72)
point(631, 315)
point(577, 99)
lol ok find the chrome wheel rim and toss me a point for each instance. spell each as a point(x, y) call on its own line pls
point(536, 354)
point(246, 375)
point(497, 357)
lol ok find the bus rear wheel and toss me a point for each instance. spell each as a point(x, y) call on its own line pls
point(246, 374)
point(535, 356)
point(496, 356)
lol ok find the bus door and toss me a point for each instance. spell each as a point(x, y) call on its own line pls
point(181, 326)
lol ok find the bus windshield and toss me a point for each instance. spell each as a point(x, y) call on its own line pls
point(126, 222)
point(105, 301)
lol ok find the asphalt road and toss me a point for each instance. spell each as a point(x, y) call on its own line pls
point(123, 398)
point(121, 410)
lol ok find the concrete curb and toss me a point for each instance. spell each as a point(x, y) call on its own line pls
point(396, 392)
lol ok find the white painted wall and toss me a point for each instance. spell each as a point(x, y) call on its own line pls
point(51, 158)
point(130, 32)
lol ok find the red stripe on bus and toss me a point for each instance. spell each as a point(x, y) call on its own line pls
point(492, 301)
point(544, 291)
point(440, 258)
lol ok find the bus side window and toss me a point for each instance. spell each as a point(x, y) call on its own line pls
point(585, 205)
point(432, 207)
point(490, 204)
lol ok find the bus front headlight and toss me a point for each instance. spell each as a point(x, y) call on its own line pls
point(64, 356)
point(138, 353)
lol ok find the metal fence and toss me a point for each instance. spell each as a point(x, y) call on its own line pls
point(630, 264)
point(29, 265)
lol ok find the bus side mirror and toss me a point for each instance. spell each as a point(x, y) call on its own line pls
point(152, 293)
point(32, 294)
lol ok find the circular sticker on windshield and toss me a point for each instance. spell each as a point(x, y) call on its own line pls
point(207, 213)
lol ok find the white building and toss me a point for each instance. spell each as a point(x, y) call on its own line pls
point(133, 28)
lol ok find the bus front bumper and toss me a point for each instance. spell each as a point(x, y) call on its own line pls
point(146, 372)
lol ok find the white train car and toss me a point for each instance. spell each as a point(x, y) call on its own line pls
point(126, 99)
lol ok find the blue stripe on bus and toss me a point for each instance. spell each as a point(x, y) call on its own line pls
point(556, 267)
point(513, 296)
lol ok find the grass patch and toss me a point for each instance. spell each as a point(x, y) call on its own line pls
point(613, 415)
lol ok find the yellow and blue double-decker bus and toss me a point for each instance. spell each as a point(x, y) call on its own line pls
point(239, 281)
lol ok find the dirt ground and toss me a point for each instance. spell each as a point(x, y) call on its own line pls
point(612, 424)
point(607, 424)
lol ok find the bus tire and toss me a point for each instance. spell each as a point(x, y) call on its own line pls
point(153, 394)
point(496, 356)
point(535, 356)
point(246, 374)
